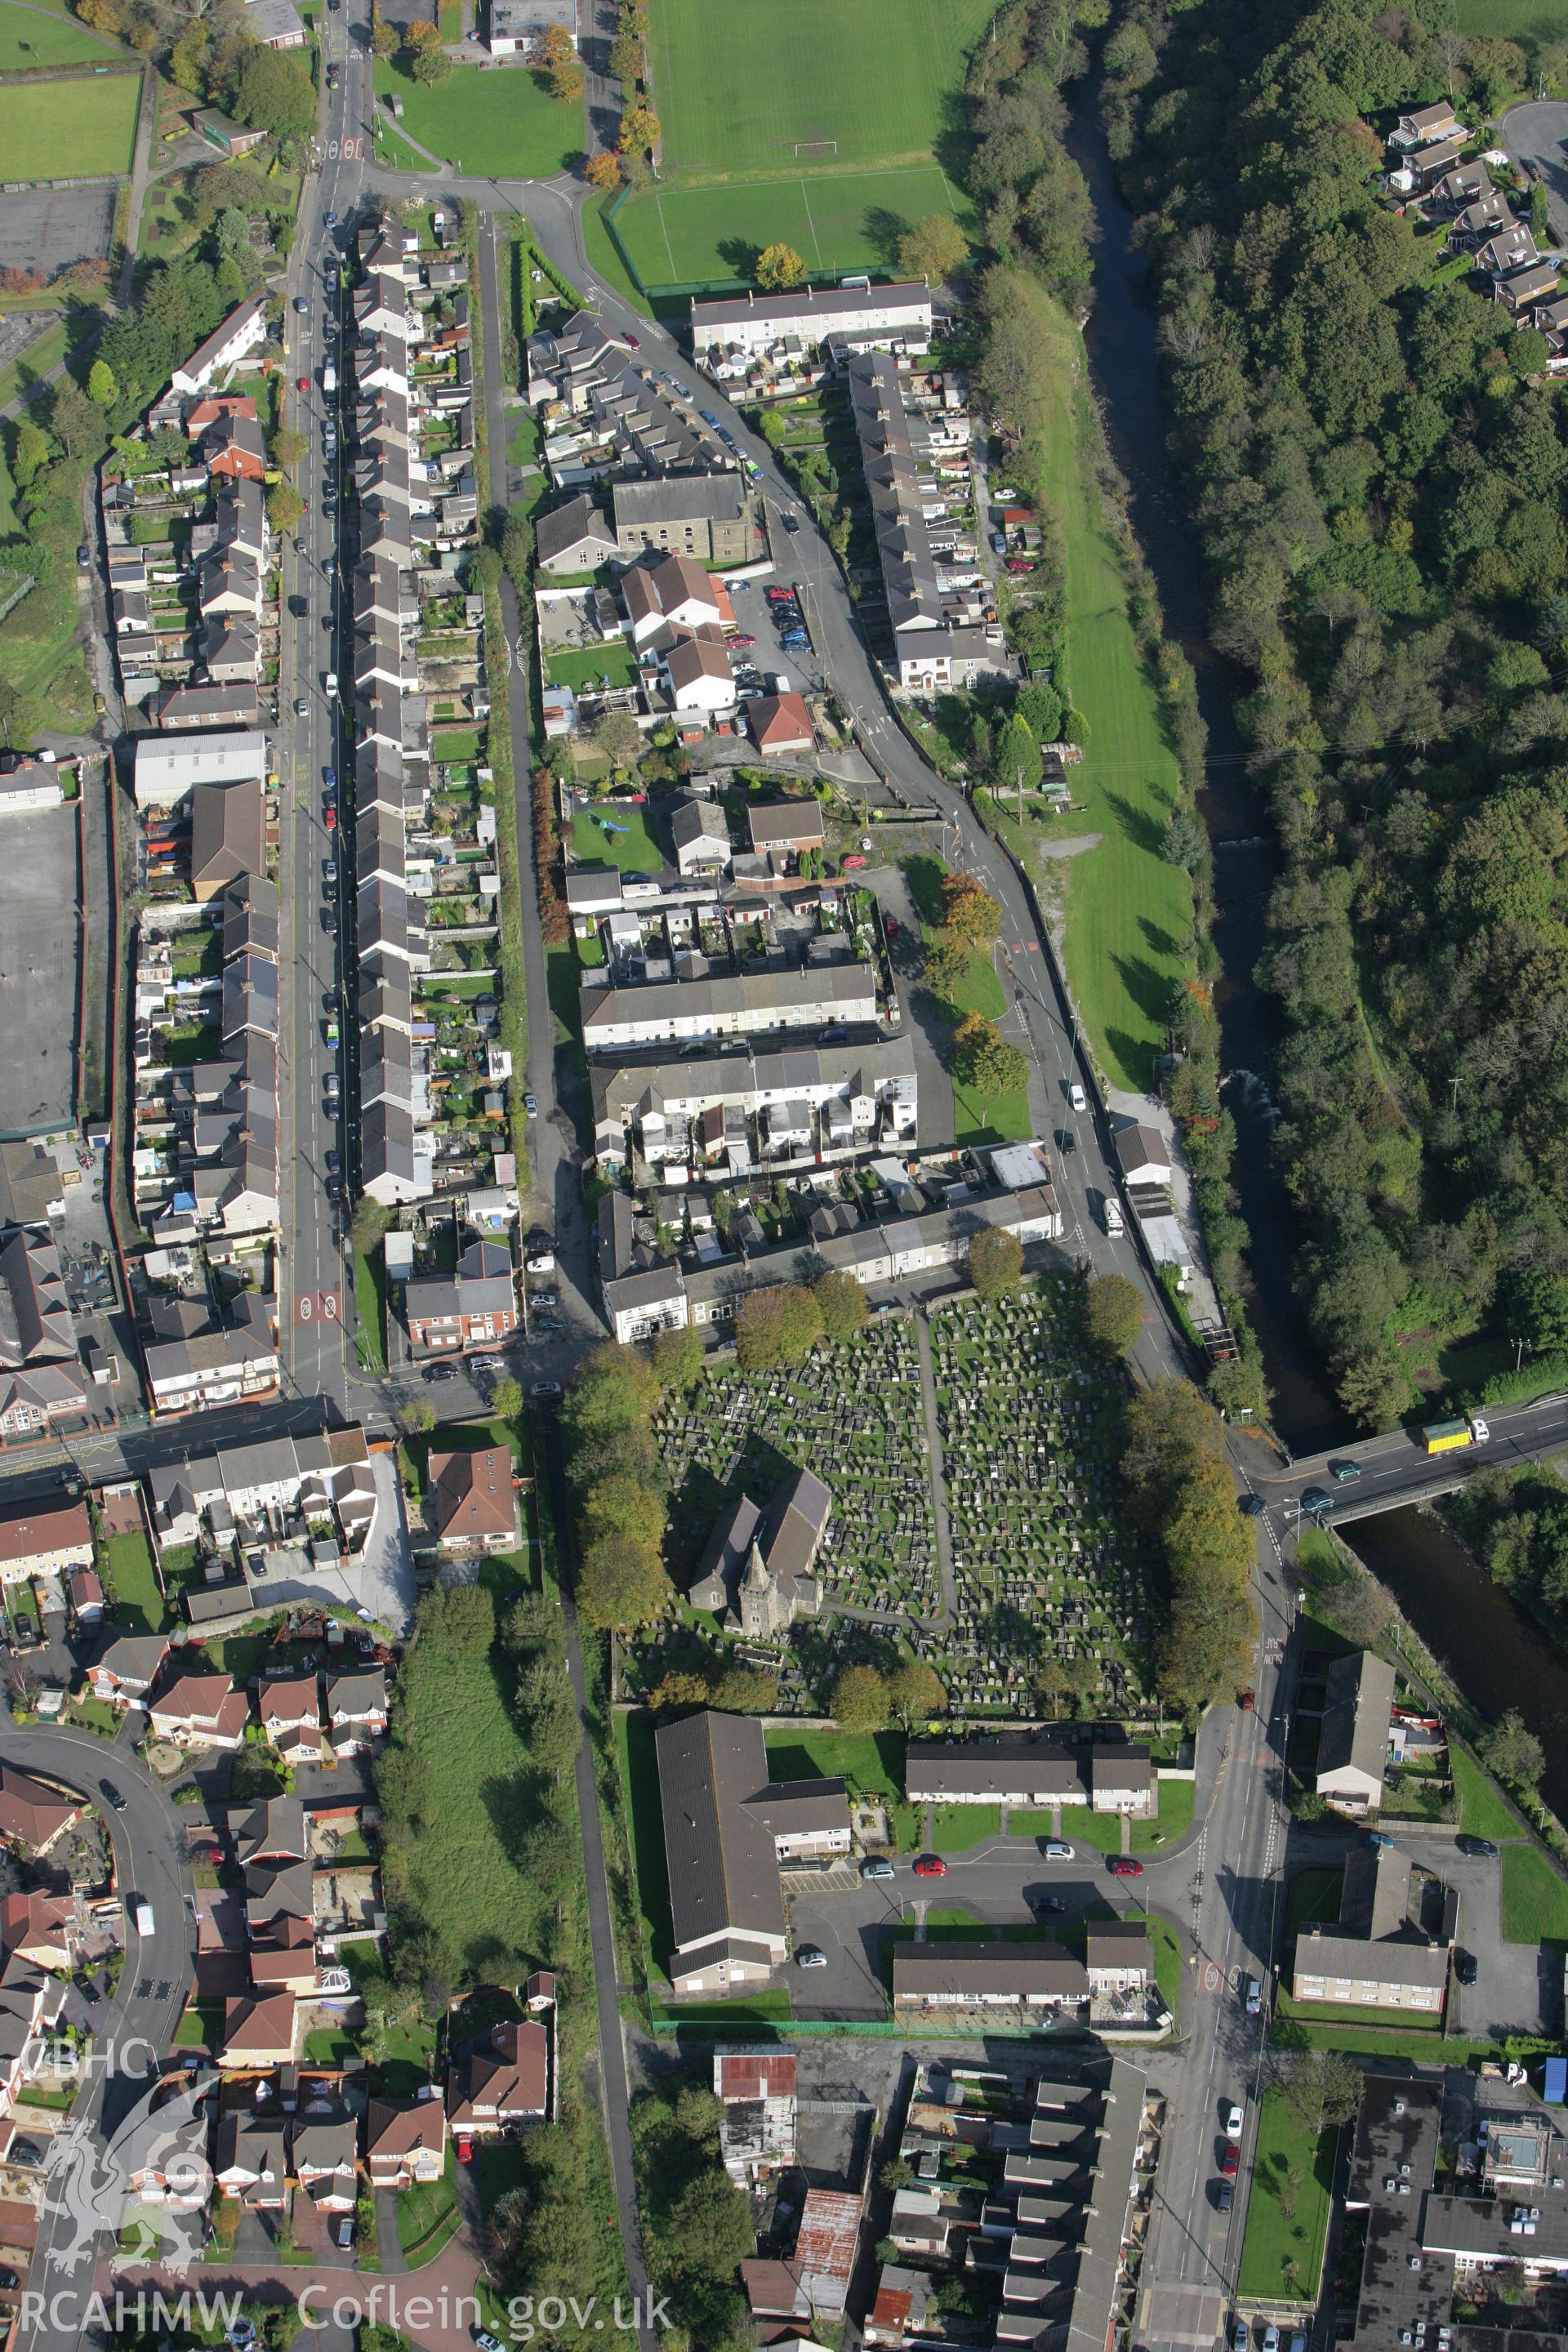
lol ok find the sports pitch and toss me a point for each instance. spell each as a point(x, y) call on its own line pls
point(743, 84)
point(852, 221)
point(68, 129)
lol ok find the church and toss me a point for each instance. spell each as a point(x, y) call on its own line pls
point(758, 1572)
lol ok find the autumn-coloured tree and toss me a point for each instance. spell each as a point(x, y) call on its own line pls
point(995, 1261)
point(935, 249)
point(603, 169)
point(424, 35)
point(1114, 1306)
point(639, 130)
point(860, 1700)
point(779, 267)
point(983, 1059)
point(557, 49)
point(566, 83)
point(969, 913)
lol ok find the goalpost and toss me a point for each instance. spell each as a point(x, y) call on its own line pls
point(817, 146)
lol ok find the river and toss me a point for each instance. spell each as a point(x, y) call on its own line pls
point(1500, 1657)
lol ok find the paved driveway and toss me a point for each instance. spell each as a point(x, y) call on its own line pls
point(1537, 137)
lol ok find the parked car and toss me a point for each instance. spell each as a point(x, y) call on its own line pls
point(1271, 2338)
point(531, 1105)
point(931, 1865)
point(1124, 1865)
point(543, 1391)
point(1052, 1903)
point(24, 2151)
point(1240, 2336)
point(743, 641)
point(811, 1956)
point(484, 2339)
point(1233, 2121)
point(876, 1865)
point(1479, 1846)
point(1465, 1966)
point(1223, 2195)
point(708, 418)
point(1230, 2160)
point(1057, 1850)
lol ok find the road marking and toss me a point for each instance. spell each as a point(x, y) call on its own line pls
point(1211, 1975)
point(319, 1306)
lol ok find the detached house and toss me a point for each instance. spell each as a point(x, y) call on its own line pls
point(252, 2161)
point(1426, 124)
point(472, 1501)
point(290, 1712)
point(406, 2140)
point(127, 1666)
point(356, 1711)
point(324, 2163)
point(201, 1710)
point(257, 2030)
point(503, 2079)
point(32, 1814)
point(786, 827)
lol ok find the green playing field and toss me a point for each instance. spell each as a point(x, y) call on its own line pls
point(835, 222)
point(744, 87)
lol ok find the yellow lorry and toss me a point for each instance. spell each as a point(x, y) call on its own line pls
point(1448, 1437)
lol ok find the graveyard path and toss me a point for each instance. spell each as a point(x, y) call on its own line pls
point(937, 1474)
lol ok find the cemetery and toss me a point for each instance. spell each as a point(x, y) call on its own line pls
point(1044, 1565)
point(1044, 1570)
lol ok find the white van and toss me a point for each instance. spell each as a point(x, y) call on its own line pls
point(1113, 1224)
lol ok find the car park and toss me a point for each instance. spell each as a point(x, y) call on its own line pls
point(931, 1865)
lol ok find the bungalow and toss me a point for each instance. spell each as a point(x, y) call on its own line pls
point(356, 1711)
point(126, 1668)
point(472, 1500)
point(290, 1710)
point(502, 2080)
point(252, 2160)
point(780, 722)
point(258, 2030)
point(43, 1542)
point(32, 1813)
point(1352, 1739)
point(325, 2163)
point(788, 826)
point(201, 1710)
point(406, 2140)
point(1033, 1973)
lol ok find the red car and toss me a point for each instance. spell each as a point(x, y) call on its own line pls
point(304, 383)
point(780, 595)
point(743, 641)
point(931, 1865)
point(332, 819)
point(633, 343)
point(890, 925)
point(464, 2147)
point(1120, 1865)
point(1245, 1701)
point(1229, 2161)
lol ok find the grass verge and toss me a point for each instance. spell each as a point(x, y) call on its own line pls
point(1288, 2209)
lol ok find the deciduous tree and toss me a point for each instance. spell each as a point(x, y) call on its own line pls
point(678, 1360)
point(779, 267)
point(969, 913)
point(603, 169)
point(983, 1059)
point(780, 1325)
point(935, 249)
point(860, 1701)
point(843, 1304)
point(639, 130)
point(1113, 1310)
point(995, 1261)
point(914, 1693)
point(1513, 1752)
point(623, 1585)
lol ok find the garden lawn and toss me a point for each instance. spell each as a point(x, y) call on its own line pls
point(1168, 1967)
point(871, 1761)
point(1177, 1799)
point(1314, 1894)
point(633, 849)
point(27, 39)
point(955, 1828)
point(1484, 1812)
point(593, 663)
point(499, 124)
point(1534, 1899)
point(427, 2214)
point(880, 83)
point(1128, 909)
point(68, 129)
point(1281, 2252)
point(133, 1583)
point(713, 235)
point(1350, 2012)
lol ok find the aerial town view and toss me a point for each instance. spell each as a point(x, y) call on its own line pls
point(783, 1175)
